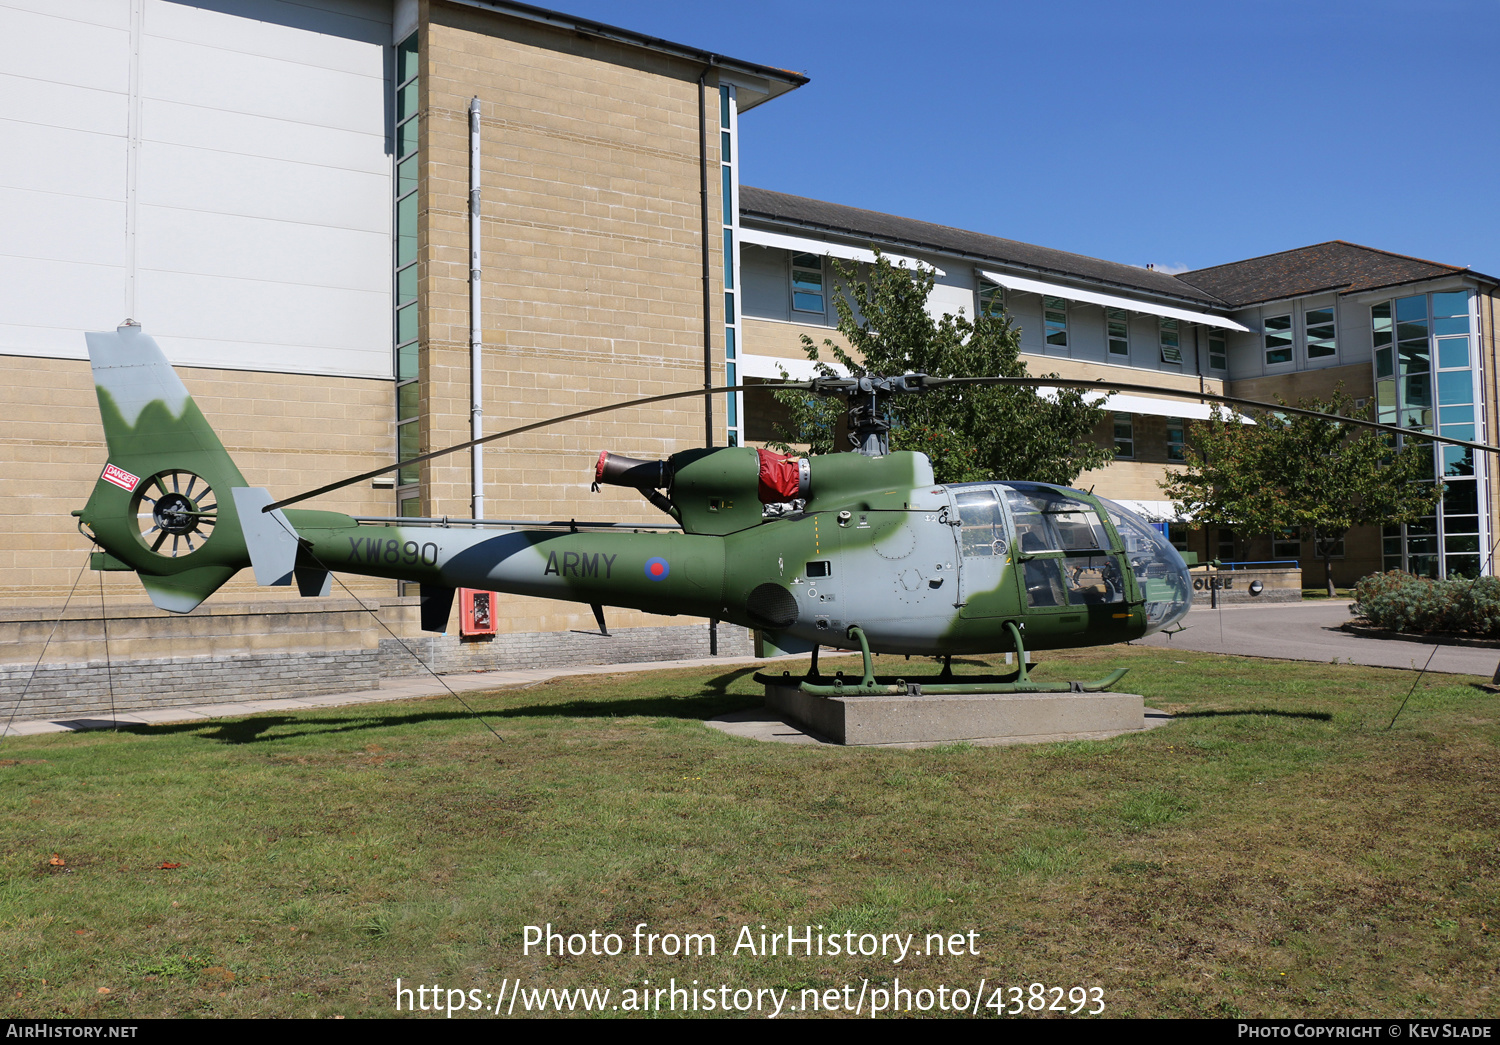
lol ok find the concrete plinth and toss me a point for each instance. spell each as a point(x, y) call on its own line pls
point(968, 716)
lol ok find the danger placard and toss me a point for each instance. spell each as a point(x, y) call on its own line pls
point(120, 477)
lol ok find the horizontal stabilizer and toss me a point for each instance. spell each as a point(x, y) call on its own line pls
point(182, 592)
point(270, 539)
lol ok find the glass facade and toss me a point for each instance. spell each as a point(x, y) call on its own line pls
point(408, 391)
point(1426, 380)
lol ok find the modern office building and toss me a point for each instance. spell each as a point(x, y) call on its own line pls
point(364, 228)
point(1417, 336)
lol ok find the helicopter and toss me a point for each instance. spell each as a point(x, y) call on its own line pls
point(850, 550)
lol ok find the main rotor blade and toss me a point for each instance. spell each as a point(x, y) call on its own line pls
point(1108, 388)
point(804, 385)
point(1105, 388)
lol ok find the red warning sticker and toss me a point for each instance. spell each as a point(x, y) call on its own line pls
point(120, 477)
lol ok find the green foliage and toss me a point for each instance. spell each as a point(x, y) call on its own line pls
point(1320, 473)
point(1402, 602)
point(969, 434)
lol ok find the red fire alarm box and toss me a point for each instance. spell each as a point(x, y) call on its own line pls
point(476, 612)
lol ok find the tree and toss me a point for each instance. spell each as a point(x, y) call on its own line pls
point(970, 434)
point(1320, 473)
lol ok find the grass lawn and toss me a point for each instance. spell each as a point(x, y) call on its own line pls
point(1275, 851)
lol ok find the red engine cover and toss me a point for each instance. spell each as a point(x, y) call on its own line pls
point(779, 478)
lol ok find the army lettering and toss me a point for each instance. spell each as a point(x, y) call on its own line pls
point(392, 552)
point(580, 564)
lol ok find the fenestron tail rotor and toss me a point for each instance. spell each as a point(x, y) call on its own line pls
point(175, 512)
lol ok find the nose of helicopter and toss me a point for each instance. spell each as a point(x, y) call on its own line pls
point(1159, 571)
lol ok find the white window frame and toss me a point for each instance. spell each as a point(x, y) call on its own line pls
point(1222, 338)
point(1171, 350)
point(996, 295)
point(792, 268)
point(1122, 317)
point(1328, 348)
point(1291, 341)
point(1052, 305)
point(1291, 537)
point(1180, 425)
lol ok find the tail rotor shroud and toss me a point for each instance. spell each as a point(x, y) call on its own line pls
point(176, 512)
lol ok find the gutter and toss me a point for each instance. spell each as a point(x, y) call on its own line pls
point(599, 30)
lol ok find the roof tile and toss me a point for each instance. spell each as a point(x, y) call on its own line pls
point(870, 225)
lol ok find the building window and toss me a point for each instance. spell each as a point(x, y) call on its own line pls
point(1278, 340)
point(1124, 436)
point(1225, 546)
point(729, 171)
point(991, 299)
point(1055, 314)
point(1218, 350)
point(1334, 546)
point(807, 283)
point(1176, 439)
point(1171, 345)
point(1320, 332)
point(1118, 322)
point(1286, 544)
point(1177, 536)
point(408, 391)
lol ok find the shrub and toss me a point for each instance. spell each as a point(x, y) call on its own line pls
point(1402, 602)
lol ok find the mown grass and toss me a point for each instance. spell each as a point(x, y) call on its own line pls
point(1274, 851)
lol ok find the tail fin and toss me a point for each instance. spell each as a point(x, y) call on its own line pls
point(163, 505)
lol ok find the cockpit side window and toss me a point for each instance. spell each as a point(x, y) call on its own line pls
point(982, 524)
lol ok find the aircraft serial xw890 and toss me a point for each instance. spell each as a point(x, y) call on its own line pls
point(847, 550)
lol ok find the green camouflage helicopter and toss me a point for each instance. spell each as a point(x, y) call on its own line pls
point(852, 550)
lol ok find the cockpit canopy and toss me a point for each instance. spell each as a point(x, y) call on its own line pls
point(1055, 519)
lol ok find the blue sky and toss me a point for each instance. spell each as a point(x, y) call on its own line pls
point(1179, 134)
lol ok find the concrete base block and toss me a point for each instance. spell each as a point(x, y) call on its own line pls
point(969, 716)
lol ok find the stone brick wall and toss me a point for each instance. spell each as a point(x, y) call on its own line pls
point(540, 649)
point(236, 652)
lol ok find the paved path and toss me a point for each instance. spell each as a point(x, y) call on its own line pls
point(1290, 631)
point(1309, 630)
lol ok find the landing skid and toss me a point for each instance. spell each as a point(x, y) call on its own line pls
point(870, 685)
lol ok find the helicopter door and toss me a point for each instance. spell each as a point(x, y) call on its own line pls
point(985, 544)
point(1063, 552)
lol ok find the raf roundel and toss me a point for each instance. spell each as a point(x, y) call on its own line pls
point(657, 568)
